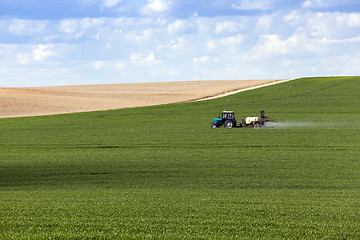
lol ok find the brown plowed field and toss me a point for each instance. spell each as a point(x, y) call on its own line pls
point(35, 101)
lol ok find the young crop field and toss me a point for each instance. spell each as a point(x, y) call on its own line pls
point(161, 172)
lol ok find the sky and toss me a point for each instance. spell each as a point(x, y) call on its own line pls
point(72, 42)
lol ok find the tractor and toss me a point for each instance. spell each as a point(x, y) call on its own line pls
point(227, 119)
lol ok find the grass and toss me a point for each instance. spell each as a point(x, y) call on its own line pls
point(162, 172)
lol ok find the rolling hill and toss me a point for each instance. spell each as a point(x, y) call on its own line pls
point(162, 172)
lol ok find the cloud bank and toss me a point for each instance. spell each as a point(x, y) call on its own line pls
point(118, 41)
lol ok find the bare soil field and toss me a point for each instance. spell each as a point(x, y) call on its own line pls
point(36, 101)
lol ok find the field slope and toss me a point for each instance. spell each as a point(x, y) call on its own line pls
point(162, 172)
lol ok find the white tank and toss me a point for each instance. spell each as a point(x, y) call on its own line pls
point(250, 120)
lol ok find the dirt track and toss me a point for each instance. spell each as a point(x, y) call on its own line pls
point(20, 102)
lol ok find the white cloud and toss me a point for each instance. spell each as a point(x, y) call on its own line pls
point(227, 27)
point(232, 40)
point(97, 65)
point(313, 3)
point(169, 73)
point(265, 22)
point(69, 25)
point(141, 37)
point(86, 2)
point(272, 44)
point(156, 7)
point(332, 25)
point(140, 59)
point(301, 45)
point(89, 23)
point(176, 44)
point(42, 51)
point(204, 59)
point(110, 3)
point(293, 18)
point(70, 29)
point(173, 72)
point(23, 59)
point(180, 27)
point(27, 27)
point(227, 42)
point(120, 65)
point(253, 5)
point(211, 45)
point(351, 20)
point(74, 29)
point(328, 3)
point(203, 25)
point(28, 54)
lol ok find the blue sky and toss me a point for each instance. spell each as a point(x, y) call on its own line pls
point(53, 42)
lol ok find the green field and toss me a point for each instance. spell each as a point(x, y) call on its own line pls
point(162, 172)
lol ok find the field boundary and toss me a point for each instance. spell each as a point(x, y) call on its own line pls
point(32, 103)
point(241, 90)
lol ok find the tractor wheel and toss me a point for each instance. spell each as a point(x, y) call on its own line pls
point(228, 124)
point(257, 124)
point(213, 125)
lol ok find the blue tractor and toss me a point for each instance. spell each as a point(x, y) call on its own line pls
point(227, 119)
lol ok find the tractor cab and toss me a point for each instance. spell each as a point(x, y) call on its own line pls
point(227, 119)
point(228, 115)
